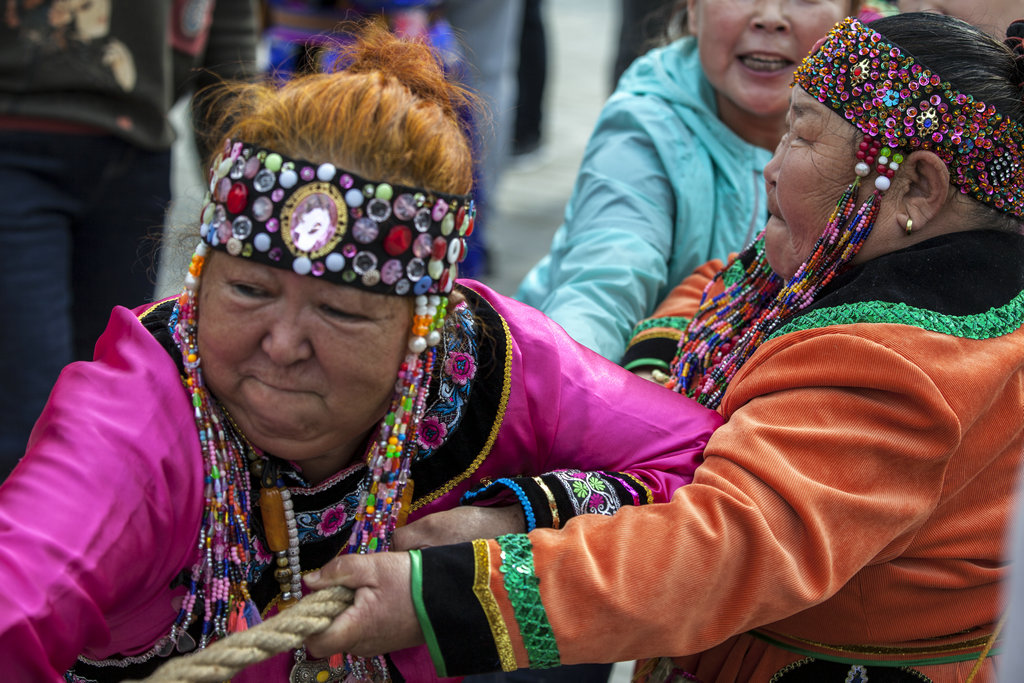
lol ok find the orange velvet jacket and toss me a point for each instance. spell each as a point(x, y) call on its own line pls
point(853, 506)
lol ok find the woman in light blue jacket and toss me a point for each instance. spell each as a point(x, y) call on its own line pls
point(672, 175)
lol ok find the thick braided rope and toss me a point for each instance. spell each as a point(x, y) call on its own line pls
point(284, 631)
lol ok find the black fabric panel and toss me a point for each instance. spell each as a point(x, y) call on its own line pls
point(459, 622)
point(655, 347)
point(929, 275)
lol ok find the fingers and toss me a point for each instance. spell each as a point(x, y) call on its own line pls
point(381, 619)
point(347, 570)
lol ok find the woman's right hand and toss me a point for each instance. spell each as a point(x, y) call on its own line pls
point(381, 619)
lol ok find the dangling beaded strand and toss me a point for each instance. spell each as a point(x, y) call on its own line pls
point(385, 504)
point(757, 304)
point(218, 577)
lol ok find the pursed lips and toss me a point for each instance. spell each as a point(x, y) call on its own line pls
point(285, 387)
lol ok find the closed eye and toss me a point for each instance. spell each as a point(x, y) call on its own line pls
point(339, 314)
point(248, 291)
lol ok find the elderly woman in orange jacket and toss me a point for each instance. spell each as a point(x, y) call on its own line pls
point(848, 519)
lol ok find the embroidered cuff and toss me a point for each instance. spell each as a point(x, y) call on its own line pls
point(416, 587)
point(667, 324)
point(482, 591)
point(551, 499)
point(461, 627)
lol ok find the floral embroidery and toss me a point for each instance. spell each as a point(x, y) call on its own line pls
point(461, 367)
point(443, 416)
point(260, 553)
point(320, 524)
point(432, 432)
point(331, 520)
point(313, 526)
point(588, 492)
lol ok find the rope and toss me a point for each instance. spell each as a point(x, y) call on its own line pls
point(284, 631)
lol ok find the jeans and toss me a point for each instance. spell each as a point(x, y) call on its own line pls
point(79, 224)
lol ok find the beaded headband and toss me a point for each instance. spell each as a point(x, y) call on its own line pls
point(316, 219)
point(888, 95)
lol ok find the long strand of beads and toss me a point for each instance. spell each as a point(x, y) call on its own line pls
point(283, 540)
point(218, 577)
point(756, 306)
point(384, 504)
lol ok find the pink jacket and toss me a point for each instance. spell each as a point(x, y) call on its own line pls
point(104, 509)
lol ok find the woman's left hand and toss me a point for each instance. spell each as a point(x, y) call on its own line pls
point(381, 619)
point(464, 523)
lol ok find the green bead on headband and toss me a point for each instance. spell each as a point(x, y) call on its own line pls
point(318, 220)
point(887, 94)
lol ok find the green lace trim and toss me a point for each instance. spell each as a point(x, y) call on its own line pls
point(994, 322)
point(675, 322)
point(734, 273)
point(523, 586)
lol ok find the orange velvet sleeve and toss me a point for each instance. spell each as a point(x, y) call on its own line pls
point(835, 457)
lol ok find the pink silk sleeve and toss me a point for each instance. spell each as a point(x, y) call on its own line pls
point(102, 512)
point(570, 408)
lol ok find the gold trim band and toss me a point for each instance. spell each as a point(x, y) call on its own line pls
point(482, 591)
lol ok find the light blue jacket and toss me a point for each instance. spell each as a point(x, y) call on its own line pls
point(663, 187)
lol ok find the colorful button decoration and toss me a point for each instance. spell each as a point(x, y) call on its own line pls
point(318, 220)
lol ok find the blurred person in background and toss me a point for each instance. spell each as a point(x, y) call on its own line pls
point(85, 162)
point(991, 16)
point(673, 172)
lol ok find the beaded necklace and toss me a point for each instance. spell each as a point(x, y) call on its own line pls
point(729, 327)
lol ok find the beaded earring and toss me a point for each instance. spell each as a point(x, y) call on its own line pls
point(385, 503)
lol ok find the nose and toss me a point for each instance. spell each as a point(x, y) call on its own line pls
point(771, 16)
point(771, 169)
point(286, 341)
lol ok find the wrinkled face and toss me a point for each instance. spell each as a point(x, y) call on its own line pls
point(305, 367)
point(750, 48)
point(992, 16)
point(811, 168)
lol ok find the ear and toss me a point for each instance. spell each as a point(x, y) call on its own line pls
point(926, 189)
point(692, 18)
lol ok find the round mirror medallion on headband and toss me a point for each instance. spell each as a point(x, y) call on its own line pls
point(318, 220)
point(902, 106)
point(313, 220)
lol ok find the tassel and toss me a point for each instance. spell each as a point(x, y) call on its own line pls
point(252, 614)
point(336, 661)
point(235, 617)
